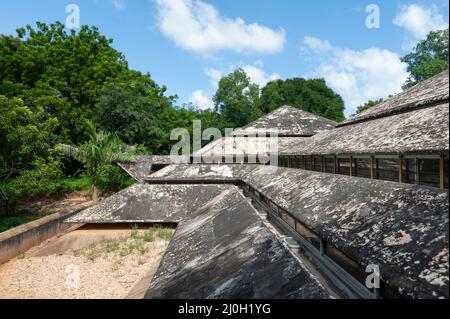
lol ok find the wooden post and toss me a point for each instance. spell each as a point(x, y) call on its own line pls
point(351, 166)
point(335, 165)
point(441, 171)
point(400, 169)
point(372, 166)
point(416, 172)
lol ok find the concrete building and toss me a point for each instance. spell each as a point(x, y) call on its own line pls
point(347, 202)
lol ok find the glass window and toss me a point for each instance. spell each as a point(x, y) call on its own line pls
point(307, 234)
point(288, 218)
point(301, 162)
point(329, 164)
point(282, 161)
point(429, 172)
point(409, 171)
point(292, 161)
point(308, 163)
point(296, 163)
point(361, 167)
point(387, 169)
point(446, 173)
point(343, 166)
point(317, 163)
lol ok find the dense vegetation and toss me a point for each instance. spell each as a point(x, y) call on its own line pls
point(54, 82)
point(428, 58)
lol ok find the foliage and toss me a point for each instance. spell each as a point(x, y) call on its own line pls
point(236, 100)
point(25, 135)
point(44, 179)
point(8, 222)
point(113, 179)
point(101, 149)
point(368, 105)
point(311, 95)
point(135, 107)
point(61, 72)
point(428, 58)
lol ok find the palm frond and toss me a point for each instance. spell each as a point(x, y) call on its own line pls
point(72, 151)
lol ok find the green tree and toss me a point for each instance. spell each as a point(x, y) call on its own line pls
point(428, 58)
point(100, 150)
point(62, 72)
point(312, 95)
point(368, 105)
point(135, 107)
point(236, 100)
point(25, 135)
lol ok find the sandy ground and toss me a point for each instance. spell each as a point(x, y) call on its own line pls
point(107, 268)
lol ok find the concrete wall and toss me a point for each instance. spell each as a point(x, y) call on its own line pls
point(18, 240)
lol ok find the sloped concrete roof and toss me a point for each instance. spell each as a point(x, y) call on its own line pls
point(141, 166)
point(225, 251)
point(221, 248)
point(149, 203)
point(421, 130)
point(400, 227)
point(287, 121)
point(431, 91)
point(239, 145)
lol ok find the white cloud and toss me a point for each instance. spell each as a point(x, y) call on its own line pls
point(317, 45)
point(259, 76)
point(418, 21)
point(359, 76)
point(201, 100)
point(119, 4)
point(214, 76)
point(198, 26)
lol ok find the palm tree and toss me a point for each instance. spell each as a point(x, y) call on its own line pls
point(101, 149)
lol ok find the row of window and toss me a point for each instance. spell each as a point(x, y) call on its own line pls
point(319, 244)
point(428, 171)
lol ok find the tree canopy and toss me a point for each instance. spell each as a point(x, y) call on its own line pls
point(310, 95)
point(428, 58)
point(236, 99)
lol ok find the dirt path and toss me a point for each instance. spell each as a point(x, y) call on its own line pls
point(55, 204)
point(105, 268)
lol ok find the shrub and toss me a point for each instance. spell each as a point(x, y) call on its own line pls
point(44, 178)
point(113, 179)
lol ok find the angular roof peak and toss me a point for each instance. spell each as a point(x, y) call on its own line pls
point(287, 121)
point(427, 93)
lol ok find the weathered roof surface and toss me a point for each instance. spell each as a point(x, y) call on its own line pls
point(141, 166)
point(221, 248)
point(224, 250)
point(203, 171)
point(433, 90)
point(238, 145)
point(149, 204)
point(287, 121)
point(421, 130)
point(402, 228)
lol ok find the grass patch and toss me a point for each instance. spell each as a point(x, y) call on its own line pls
point(77, 183)
point(135, 241)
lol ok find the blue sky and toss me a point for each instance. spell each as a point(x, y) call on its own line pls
point(188, 44)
